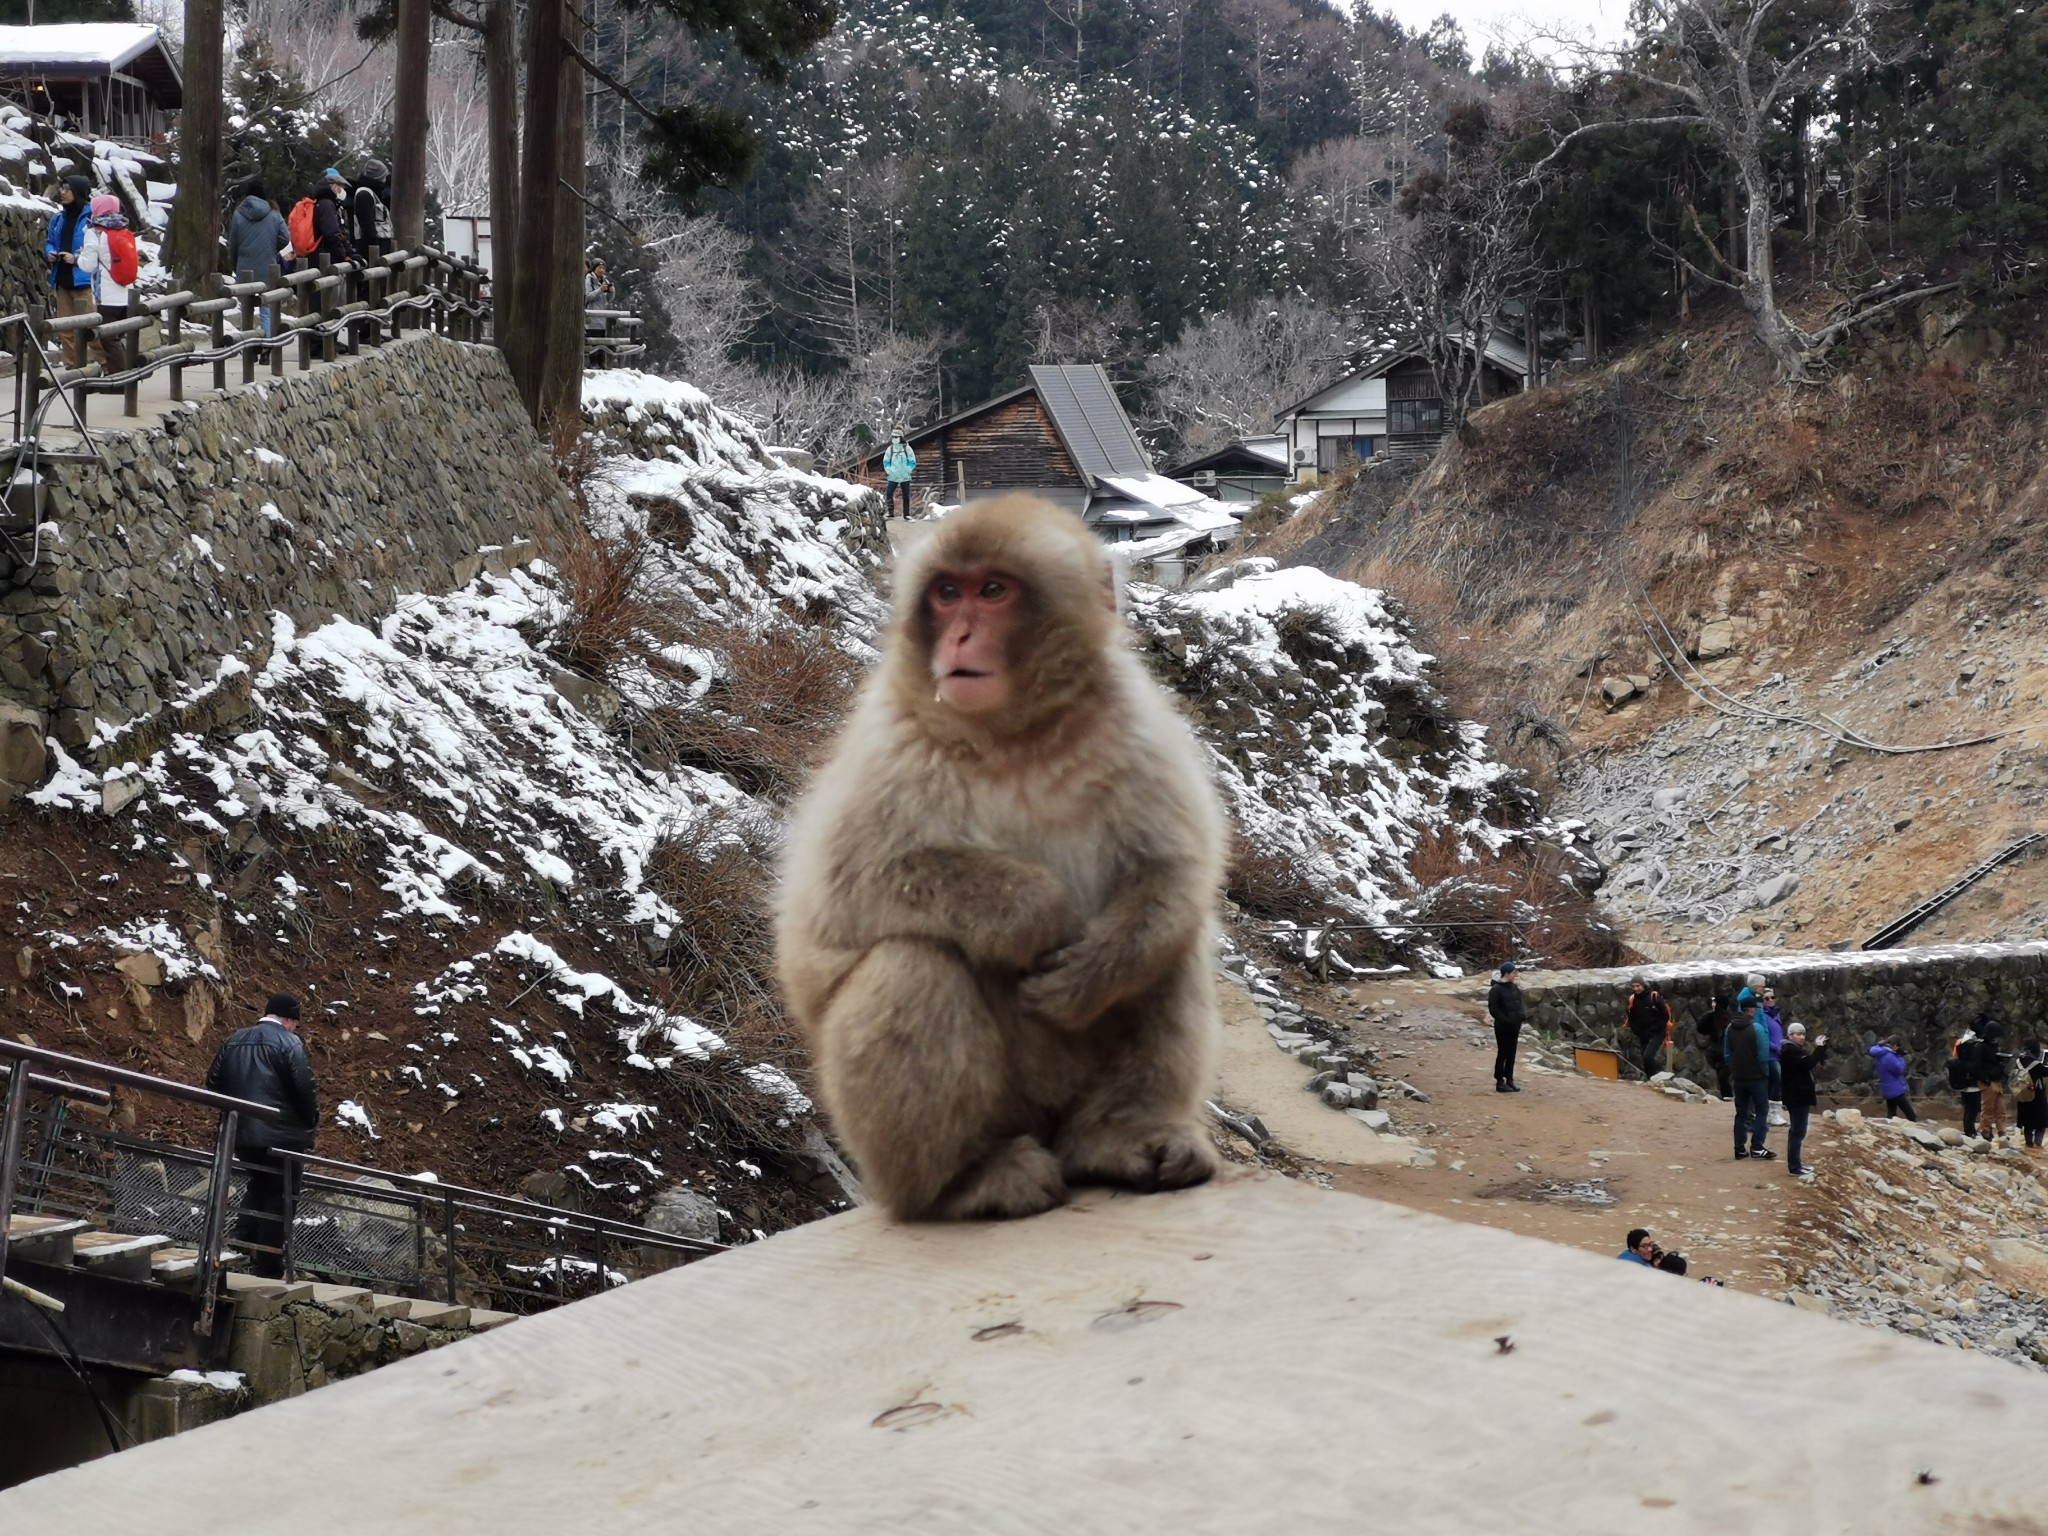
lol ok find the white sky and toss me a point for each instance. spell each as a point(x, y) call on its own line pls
point(1487, 20)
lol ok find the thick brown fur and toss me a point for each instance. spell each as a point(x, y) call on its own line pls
point(998, 933)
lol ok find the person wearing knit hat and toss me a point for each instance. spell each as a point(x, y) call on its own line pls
point(369, 208)
point(330, 218)
point(111, 260)
point(1748, 1049)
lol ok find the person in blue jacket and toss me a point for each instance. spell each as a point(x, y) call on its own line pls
point(899, 463)
point(1891, 1079)
point(70, 288)
point(1747, 1048)
point(1640, 1249)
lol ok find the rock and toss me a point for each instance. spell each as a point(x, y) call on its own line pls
point(145, 969)
point(1773, 890)
point(23, 754)
point(1950, 1136)
point(119, 791)
point(1848, 1117)
point(1375, 1120)
point(1617, 691)
point(1806, 1301)
point(1640, 682)
point(683, 1213)
point(1717, 639)
point(1669, 801)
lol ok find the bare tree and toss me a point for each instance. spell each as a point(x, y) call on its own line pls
point(1453, 251)
point(195, 217)
point(1730, 67)
point(1229, 374)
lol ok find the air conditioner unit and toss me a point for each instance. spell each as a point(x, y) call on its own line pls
point(1205, 479)
point(1301, 455)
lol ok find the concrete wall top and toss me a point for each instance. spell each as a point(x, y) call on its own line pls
point(1805, 965)
point(1257, 1356)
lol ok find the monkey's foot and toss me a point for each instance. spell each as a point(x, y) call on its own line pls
point(1019, 1178)
point(1146, 1157)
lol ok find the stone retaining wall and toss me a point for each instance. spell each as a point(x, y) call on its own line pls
point(1922, 995)
point(321, 495)
point(22, 273)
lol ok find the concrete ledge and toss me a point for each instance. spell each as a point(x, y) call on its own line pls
point(1255, 1356)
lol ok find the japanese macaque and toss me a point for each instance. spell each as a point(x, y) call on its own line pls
point(999, 896)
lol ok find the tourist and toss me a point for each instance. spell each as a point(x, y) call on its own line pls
point(1962, 1076)
point(111, 259)
point(597, 283)
point(1713, 1029)
point(1891, 1079)
point(1505, 1007)
point(1774, 1024)
point(1640, 1249)
point(1990, 1073)
point(257, 236)
point(70, 288)
point(1671, 1263)
point(369, 209)
point(266, 1063)
point(2030, 1094)
point(1649, 1020)
point(1797, 1062)
point(1748, 1050)
point(899, 464)
point(330, 228)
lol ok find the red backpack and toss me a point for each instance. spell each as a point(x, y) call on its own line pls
point(126, 264)
point(304, 241)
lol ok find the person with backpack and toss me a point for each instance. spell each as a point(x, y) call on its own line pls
point(257, 235)
point(1748, 1050)
point(328, 229)
point(899, 466)
point(369, 209)
point(70, 288)
point(1649, 1020)
point(2031, 1094)
point(112, 262)
point(1962, 1076)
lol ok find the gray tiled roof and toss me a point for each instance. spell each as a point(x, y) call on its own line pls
point(1090, 420)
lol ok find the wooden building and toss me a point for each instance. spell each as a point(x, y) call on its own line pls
point(102, 80)
point(1392, 405)
point(1062, 435)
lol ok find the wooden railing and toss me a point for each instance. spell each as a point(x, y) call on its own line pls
point(322, 311)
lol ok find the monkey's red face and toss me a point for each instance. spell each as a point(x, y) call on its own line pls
point(973, 616)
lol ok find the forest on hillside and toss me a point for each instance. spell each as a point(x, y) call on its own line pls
point(1226, 200)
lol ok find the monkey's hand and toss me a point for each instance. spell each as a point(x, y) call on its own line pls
point(1142, 933)
point(1061, 988)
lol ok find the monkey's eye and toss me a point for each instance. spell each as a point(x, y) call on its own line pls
point(995, 589)
point(946, 591)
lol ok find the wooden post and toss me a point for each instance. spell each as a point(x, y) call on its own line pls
point(326, 306)
point(171, 326)
point(306, 343)
point(276, 308)
point(217, 330)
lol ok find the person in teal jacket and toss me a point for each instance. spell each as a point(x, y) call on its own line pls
point(899, 463)
point(1747, 1048)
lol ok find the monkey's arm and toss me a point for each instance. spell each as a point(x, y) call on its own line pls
point(1143, 931)
point(994, 908)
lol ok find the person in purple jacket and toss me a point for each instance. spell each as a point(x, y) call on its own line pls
point(1891, 1079)
point(1774, 1023)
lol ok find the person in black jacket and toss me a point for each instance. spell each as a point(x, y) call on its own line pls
point(1504, 1005)
point(267, 1063)
point(1713, 1027)
point(1796, 1063)
point(330, 227)
point(2033, 1109)
point(1649, 1020)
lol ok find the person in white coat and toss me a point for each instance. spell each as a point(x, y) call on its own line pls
point(109, 255)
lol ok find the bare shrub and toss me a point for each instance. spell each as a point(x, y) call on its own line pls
point(1485, 907)
point(1266, 883)
point(718, 875)
point(608, 616)
point(768, 716)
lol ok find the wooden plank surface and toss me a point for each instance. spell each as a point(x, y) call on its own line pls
point(1256, 1356)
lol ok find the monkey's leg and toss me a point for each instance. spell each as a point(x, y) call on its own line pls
point(1137, 1117)
point(914, 1072)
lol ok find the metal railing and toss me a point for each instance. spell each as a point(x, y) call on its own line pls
point(407, 1233)
point(23, 1082)
point(611, 336)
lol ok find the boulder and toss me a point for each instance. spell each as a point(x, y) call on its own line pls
point(1375, 1120)
point(145, 969)
point(1617, 691)
point(23, 753)
point(1717, 639)
point(683, 1213)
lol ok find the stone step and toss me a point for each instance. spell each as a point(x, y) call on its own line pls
point(43, 1239)
point(483, 1320)
point(169, 1266)
point(336, 1298)
point(391, 1306)
point(438, 1314)
point(122, 1255)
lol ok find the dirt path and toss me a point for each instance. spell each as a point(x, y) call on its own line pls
point(1531, 1162)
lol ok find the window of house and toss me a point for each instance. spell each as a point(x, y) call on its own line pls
point(1336, 453)
point(1415, 416)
